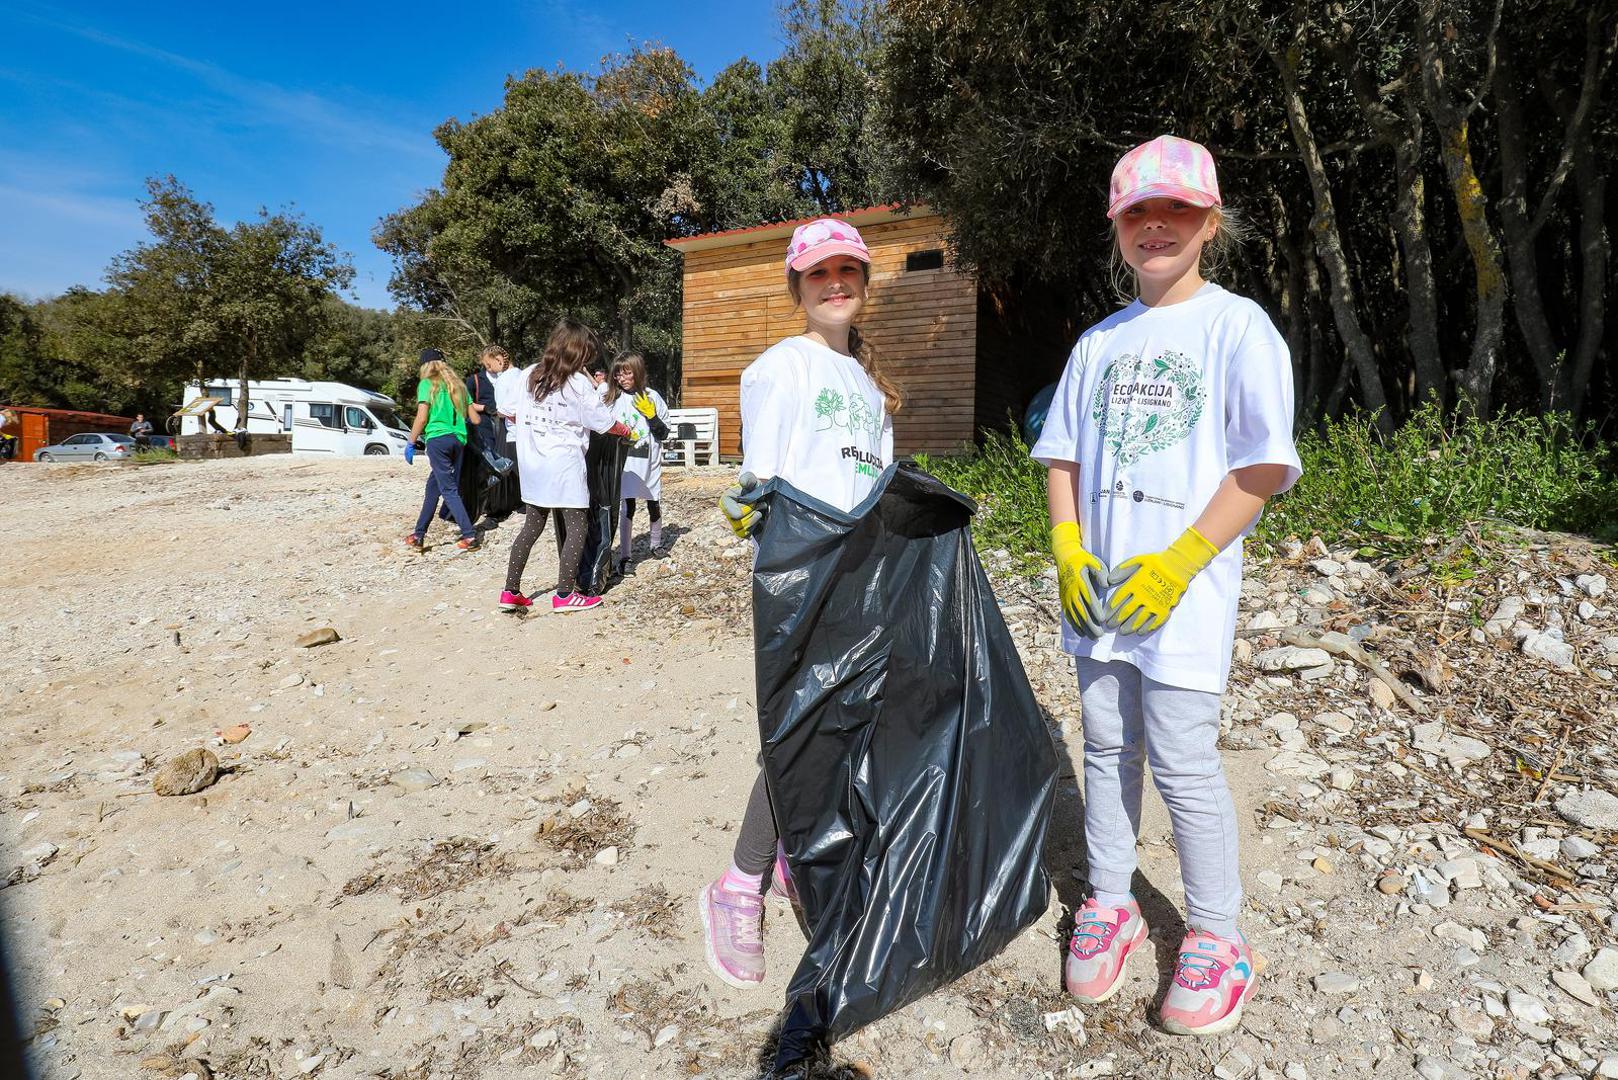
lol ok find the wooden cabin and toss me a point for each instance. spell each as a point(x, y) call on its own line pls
point(922, 318)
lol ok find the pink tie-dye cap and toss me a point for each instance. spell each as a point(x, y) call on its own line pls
point(821, 239)
point(1165, 168)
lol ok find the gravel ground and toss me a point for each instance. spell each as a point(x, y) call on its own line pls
point(456, 844)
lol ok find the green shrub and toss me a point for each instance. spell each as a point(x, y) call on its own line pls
point(154, 455)
point(1432, 477)
point(1436, 474)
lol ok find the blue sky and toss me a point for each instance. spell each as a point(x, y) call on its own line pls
point(329, 108)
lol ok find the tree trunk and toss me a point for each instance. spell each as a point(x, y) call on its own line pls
point(1476, 381)
point(1329, 244)
point(249, 362)
point(1590, 176)
point(1516, 225)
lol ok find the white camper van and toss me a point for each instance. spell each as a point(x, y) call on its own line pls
point(323, 417)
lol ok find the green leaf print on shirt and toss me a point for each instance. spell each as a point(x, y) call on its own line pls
point(827, 406)
point(854, 416)
point(1144, 407)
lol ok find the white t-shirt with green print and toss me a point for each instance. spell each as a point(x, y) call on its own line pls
point(813, 417)
point(1156, 406)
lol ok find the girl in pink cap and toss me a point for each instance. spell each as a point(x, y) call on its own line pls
point(1171, 427)
point(818, 412)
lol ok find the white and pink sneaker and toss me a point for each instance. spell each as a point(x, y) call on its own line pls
point(733, 934)
point(514, 601)
point(781, 886)
point(1103, 940)
point(1213, 978)
point(574, 601)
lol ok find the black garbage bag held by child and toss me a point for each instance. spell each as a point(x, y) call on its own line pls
point(910, 770)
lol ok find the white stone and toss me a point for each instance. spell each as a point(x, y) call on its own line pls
point(1294, 763)
point(1527, 1008)
point(1576, 986)
point(1467, 936)
point(607, 856)
point(1291, 658)
point(1327, 567)
point(1592, 585)
point(1602, 970)
point(1549, 649)
point(1336, 982)
point(664, 1035)
point(1578, 849)
point(1461, 873)
point(1471, 1023)
point(1593, 809)
point(1509, 611)
point(1235, 1065)
point(410, 780)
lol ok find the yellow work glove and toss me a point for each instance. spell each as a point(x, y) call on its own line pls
point(1082, 579)
point(744, 519)
point(1150, 585)
point(644, 406)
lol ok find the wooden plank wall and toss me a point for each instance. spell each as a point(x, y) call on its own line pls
point(922, 322)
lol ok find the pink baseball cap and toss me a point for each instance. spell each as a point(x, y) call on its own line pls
point(1165, 168)
point(821, 239)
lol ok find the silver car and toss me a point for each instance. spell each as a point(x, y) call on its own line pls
point(88, 446)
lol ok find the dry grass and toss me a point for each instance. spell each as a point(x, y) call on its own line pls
point(602, 826)
point(652, 912)
point(449, 866)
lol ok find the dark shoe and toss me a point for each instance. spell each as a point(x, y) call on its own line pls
point(469, 543)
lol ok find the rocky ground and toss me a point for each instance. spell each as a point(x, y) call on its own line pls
point(456, 844)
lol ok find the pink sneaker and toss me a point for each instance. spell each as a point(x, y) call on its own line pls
point(733, 935)
point(1212, 981)
point(574, 601)
point(1103, 940)
point(781, 886)
point(514, 601)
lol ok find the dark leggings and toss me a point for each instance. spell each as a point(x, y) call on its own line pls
point(654, 509)
point(755, 841)
point(571, 524)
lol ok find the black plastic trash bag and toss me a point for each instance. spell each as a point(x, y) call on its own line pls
point(604, 468)
point(909, 767)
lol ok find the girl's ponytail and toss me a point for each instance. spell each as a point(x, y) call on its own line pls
point(866, 354)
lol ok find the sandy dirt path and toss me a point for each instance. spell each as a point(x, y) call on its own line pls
point(463, 845)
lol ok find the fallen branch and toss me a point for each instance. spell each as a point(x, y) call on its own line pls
point(1340, 645)
point(1528, 860)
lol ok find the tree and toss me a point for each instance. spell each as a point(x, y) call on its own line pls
point(199, 293)
point(1418, 236)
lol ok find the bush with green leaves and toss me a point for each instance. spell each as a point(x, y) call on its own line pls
point(1432, 477)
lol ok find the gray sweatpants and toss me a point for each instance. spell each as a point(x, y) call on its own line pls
point(1129, 717)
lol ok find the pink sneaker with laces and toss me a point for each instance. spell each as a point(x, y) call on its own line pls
point(733, 934)
point(1102, 942)
point(514, 601)
point(1213, 978)
point(574, 601)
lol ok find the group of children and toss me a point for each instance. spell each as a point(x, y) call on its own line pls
point(545, 415)
point(1170, 428)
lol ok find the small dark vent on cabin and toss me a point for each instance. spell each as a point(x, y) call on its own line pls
point(924, 260)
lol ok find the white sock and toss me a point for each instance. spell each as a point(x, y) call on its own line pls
point(657, 534)
point(736, 881)
point(1113, 899)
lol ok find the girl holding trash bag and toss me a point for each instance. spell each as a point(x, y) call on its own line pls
point(817, 412)
point(555, 406)
point(645, 413)
point(1170, 429)
point(441, 417)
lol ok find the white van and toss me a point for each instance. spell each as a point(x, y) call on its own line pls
point(323, 417)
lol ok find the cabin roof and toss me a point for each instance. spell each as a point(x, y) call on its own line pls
point(870, 215)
